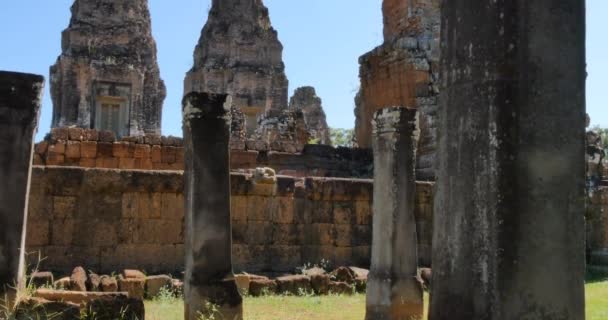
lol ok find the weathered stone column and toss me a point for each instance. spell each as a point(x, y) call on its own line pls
point(509, 227)
point(392, 290)
point(20, 96)
point(209, 279)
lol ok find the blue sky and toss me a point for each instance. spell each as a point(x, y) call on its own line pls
point(322, 38)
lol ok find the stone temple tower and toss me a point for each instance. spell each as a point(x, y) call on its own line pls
point(239, 53)
point(107, 76)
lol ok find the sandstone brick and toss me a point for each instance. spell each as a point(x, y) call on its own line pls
point(294, 284)
point(41, 147)
point(363, 212)
point(153, 139)
point(168, 154)
point(285, 258)
point(135, 287)
point(343, 255)
point(57, 147)
point(259, 208)
point(78, 280)
point(122, 150)
point(143, 164)
point(55, 159)
point(239, 233)
point(87, 163)
point(285, 234)
point(37, 160)
point(76, 134)
point(88, 149)
point(142, 151)
point(344, 213)
point(105, 149)
point(62, 232)
point(107, 163)
point(90, 135)
point(126, 163)
point(285, 212)
point(64, 207)
point(344, 235)
point(323, 234)
point(38, 233)
point(239, 209)
point(263, 189)
point(179, 155)
point(59, 134)
point(156, 154)
point(259, 233)
point(154, 284)
point(362, 235)
point(108, 284)
point(106, 136)
point(260, 287)
point(321, 211)
point(72, 150)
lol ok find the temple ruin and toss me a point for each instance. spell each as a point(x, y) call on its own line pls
point(472, 164)
point(107, 76)
point(404, 71)
point(239, 53)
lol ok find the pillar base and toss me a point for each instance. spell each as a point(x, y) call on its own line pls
point(221, 299)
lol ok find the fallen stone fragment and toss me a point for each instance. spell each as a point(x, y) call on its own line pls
point(133, 274)
point(42, 309)
point(93, 282)
point(260, 287)
point(42, 279)
point(78, 279)
point(62, 284)
point(336, 287)
point(154, 284)
point(134, 286)
point(320, 283)
point(296, 284)
point(108, 284)
point(77, 297)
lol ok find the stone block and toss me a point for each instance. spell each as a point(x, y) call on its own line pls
point(172, 206)
point(179, 155)
point(38, 308)
point(42, 279)
point(285, 258)
point(130, 205)
point(142, 151)
point(122, 150)
point(259, 208)
point(41, 148)
point(87, 163)
point(144, 164)
point(62, 232)
point(341, 288)
point(150, 205)
point(295, 284)
point(362, 235)
point(133, 274)
point(320, 283)
point(90, 135)
point(168, 154)
point(259, 233)
point(59, 134)
point(126, 163)
point(239, 209)
point(105, 150)
point(37, 160)
point(344, 213)
point(108, 284)
point(64, 207)
point(55, 159)
point(78, 280)
point(239, 232)
point(38, 233)
point(72, 150)
point(88, 149)
point(363, 213)
point(106, 136)
point(344, 235)
point(323, 234)
point(261, 287)
point(76, 134)
point(62, 284)
point(154, 284)
point(156, 154)
point(343, 255)
point(134, 286)
point(321, 211)
point(107, 163)
point(285, 234)
point(286, 212)
point(93, 282)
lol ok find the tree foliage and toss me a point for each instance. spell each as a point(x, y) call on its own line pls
point(342, 137)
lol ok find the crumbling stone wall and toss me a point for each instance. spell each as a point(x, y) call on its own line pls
point(306, 100)
point(108, 52)
point(239, 53)
point(109, 220)
point(403, 72)
point(101, 149)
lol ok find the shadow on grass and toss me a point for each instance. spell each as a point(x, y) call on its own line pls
point(596, 274)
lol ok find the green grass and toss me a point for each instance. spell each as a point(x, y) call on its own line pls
point(337, 307)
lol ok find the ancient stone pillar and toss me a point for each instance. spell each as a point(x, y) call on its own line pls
point(209, 279)
point(509, 212)
point(20, 96)
point(392, 291)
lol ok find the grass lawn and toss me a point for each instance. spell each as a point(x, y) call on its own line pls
point(334, 307)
